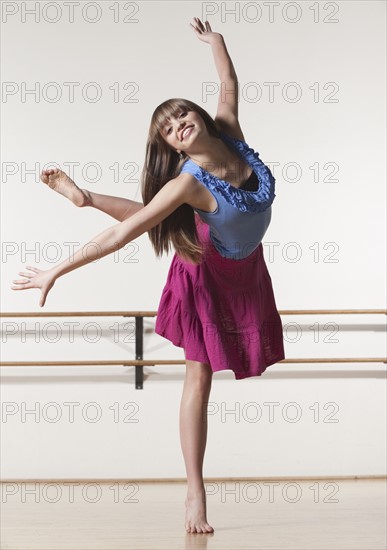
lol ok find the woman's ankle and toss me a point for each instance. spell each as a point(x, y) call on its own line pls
point(195, 490)
point(88, 198)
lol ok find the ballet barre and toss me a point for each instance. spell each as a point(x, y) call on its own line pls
point(139, 362)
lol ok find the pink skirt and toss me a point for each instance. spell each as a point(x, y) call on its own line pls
point(222, 311)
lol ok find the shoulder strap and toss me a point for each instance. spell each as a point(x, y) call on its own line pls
point(191, 168)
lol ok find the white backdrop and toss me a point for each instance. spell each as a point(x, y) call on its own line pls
point(78, 90)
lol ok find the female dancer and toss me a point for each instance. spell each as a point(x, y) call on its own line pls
point(209, 194)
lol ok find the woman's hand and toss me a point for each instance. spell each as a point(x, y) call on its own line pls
point(204, 33)
point(38, 279)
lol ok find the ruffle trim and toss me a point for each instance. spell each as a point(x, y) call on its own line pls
point(245, 201)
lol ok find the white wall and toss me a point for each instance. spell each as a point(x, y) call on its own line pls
point(334, 218)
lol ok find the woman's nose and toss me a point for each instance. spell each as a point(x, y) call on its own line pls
point(180, 126)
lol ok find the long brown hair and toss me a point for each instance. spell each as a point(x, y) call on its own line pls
point(162, 163)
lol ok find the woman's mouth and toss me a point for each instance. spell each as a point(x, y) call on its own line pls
point(186, 132)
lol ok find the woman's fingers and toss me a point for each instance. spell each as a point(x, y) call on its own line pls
point(38, 278)
point(200, 24)
point(42, 300)
point(199, 28)
point(195, 24)
point(28, 275)
point(197, 32)
point(21, 285)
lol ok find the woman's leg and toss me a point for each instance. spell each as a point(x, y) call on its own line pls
point(117, 207)
point(193, 436)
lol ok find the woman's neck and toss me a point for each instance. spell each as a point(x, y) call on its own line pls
point(217, 157)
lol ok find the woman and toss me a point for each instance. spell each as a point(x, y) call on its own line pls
point(206, 192)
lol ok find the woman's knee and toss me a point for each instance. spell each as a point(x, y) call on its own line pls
point(199, 374)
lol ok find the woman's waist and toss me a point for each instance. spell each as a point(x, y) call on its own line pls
point(240, 233)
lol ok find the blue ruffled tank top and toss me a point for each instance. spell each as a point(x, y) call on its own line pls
point(242, 217)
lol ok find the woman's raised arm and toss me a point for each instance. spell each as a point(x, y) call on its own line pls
point(167, 200)
point(227, 111)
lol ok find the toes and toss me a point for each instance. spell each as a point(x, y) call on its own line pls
point(191, 529)
point(50, 172)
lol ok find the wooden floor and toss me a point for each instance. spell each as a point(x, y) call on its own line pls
point(312, 514)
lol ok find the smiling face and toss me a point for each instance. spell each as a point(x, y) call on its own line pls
point(181, 131)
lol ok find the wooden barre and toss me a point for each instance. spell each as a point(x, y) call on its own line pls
point(154, 313)
point(139, 362)
point(148, 362)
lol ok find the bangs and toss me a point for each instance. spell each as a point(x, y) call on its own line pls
point(166, 110)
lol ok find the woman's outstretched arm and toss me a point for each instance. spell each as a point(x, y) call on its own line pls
point(172, 195)
point(227, 111)
point(117, 207)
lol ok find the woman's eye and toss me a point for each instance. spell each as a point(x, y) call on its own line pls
point(183, 113)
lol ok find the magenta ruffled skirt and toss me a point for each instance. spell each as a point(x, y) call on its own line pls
point(223, 311)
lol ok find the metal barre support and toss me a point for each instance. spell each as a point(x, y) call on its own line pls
point(139, 352)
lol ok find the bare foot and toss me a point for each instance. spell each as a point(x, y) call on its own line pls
point(59, 181)
point(196, 514)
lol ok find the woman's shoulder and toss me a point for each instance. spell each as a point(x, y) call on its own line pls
point(189, 168)
point(191, 187)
